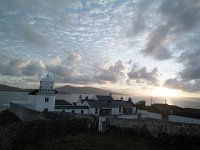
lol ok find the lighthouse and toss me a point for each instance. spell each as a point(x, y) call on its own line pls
point(44, 98)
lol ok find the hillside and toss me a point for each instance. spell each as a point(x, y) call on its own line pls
point(9, 88)
point(84, 90)
point(65, 90)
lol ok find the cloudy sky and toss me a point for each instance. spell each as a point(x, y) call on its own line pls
point(136, 46)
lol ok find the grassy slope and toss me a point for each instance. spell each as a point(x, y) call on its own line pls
point(92, 141)
point(7, 117)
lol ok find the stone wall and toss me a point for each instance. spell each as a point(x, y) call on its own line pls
point(24, 113)
point(27, 114)
point(156, 127)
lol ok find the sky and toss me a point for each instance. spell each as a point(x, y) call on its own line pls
point(132, 46)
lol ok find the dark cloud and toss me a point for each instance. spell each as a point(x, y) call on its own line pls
point(188, 79)
point(140, 17)
point(112, 74)
point(183, 15)
point(66, 72)
point(187, 86)
point(178, 19)
point(32, 35)
point(33, 68)
point(65, 67)
point(156, 44)
point(191, 65)
point(142, 75)
point(21, 67)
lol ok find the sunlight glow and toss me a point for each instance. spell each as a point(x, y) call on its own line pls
point(165, 92)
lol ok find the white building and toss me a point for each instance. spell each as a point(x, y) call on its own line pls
point(43, 99)
point(106, 105)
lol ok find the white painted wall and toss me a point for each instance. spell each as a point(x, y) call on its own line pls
point(92, 111)
point(32, 100)
point(41, 104)
point(146, 114)
point(94, 97)
point(134, 109)
point(180, 119)
point(85, 111)
point(77, 111)
point(115, 111)
point(78, 103)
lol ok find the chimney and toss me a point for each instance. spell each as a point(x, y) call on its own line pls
point(129, 99)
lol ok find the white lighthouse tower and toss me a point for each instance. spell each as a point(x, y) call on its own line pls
point(45, 100)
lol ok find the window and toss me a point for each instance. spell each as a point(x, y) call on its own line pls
point(81, 111)
point(73, 111)
point(120, 110)
point(46, 99)
point(46, 109)
point(96, 110)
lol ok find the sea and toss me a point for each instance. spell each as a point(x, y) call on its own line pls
point(186, 102)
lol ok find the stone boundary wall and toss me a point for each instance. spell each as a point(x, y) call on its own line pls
point(156, 127)
point(27, 114)
point(24, 113)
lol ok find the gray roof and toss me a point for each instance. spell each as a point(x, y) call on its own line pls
point(61, 102)
point(71, 107)
point(110, 104)
point(102, 97)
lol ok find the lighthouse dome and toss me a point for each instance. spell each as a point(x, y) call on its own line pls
point(46, 85)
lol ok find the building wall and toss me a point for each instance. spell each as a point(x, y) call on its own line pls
point(115, 111)
point(46, 87)
point(32, 100)
point(146, 114)
point(181, 119)
point(92, 111)
point(78, 103)
point(27, 114)
point(94, 97)
point(134, 109)
point(77, 111)
point(41, 104)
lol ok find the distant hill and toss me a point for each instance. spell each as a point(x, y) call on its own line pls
point(84, 90)
point(15, 89)
point(9, 88)
point(67, 89)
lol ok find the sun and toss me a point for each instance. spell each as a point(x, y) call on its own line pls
point(165, 92)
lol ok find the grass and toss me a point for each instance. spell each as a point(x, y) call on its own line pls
point(92, 141)
point(7, 117)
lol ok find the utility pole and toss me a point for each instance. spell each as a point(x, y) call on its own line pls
point(165, 101)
